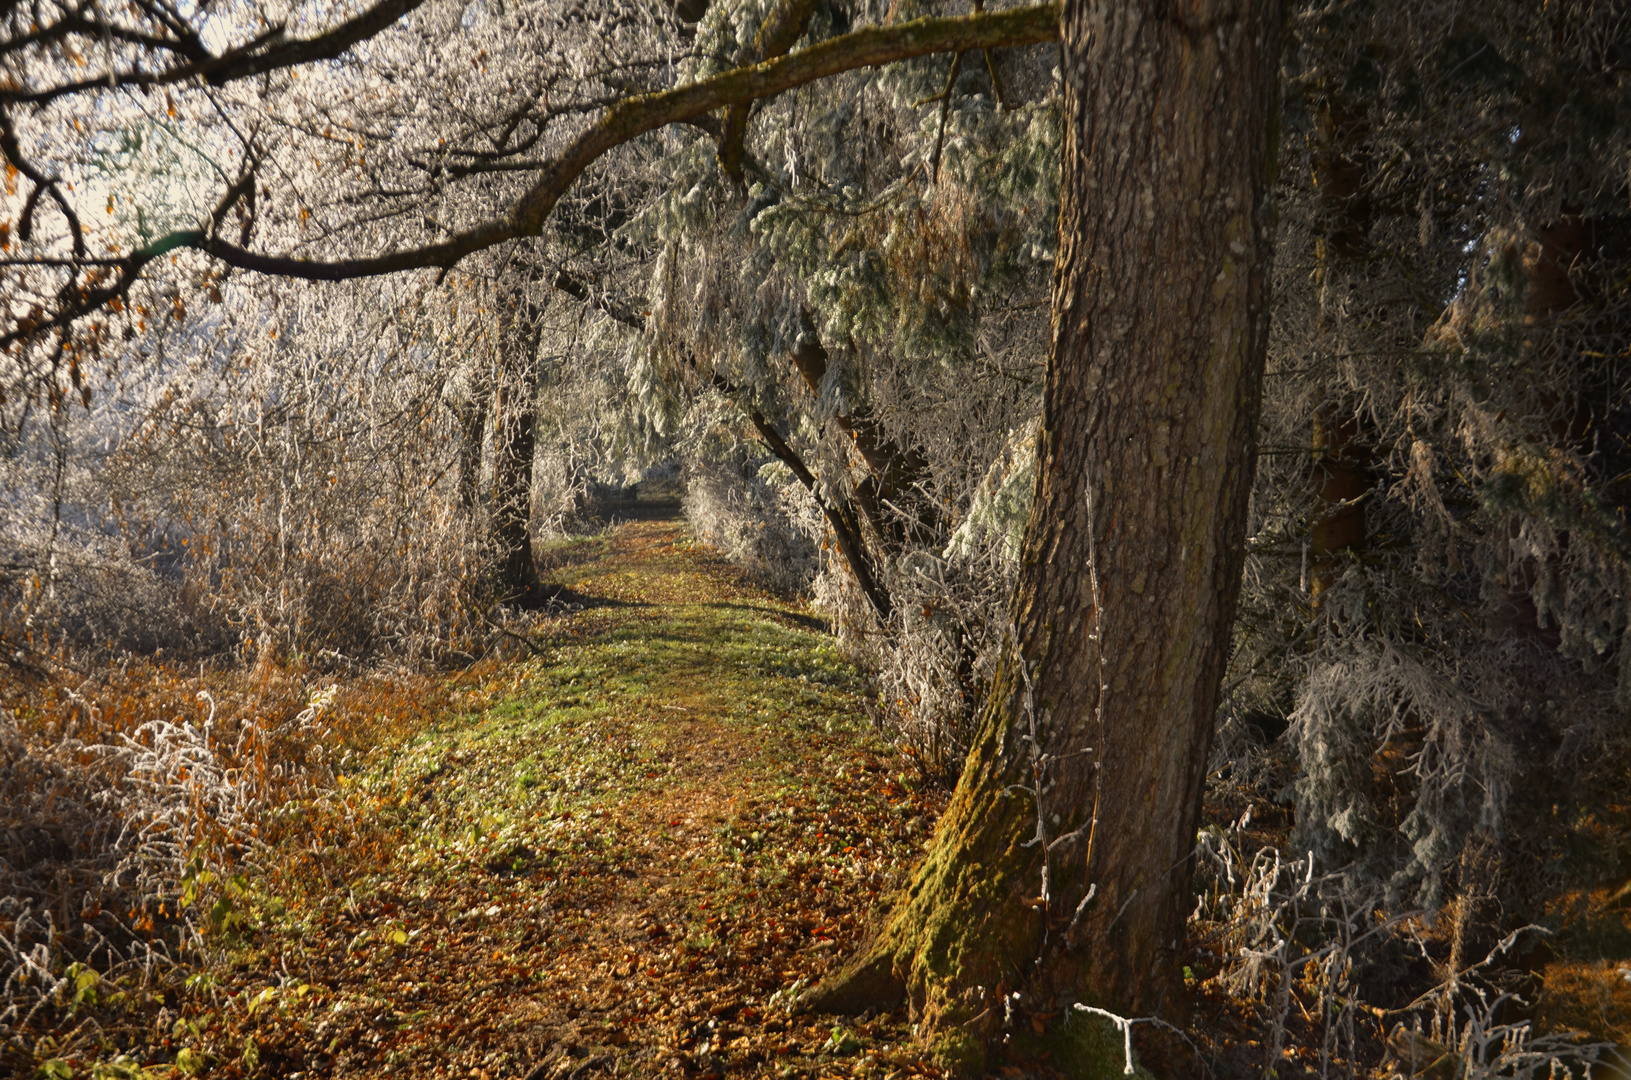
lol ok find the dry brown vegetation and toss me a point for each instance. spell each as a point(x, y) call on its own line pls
point(619, 846)
point(393, 873)
point(130, 795)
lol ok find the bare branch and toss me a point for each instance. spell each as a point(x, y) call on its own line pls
point(574, 287)
point(626, 120)
point(42, 185)
point(268, 52)
point(869, 47)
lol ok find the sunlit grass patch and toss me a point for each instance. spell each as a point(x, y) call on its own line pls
point(634, 837)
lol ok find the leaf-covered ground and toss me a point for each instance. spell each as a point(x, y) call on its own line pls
point(622, 851)
point(620, 856)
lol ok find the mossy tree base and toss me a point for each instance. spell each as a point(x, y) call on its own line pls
point(1060, 870)
point(970, 931)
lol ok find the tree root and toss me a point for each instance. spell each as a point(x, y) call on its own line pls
point(867, 981)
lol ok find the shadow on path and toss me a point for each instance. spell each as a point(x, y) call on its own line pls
point(552, 598)
point(809, 622)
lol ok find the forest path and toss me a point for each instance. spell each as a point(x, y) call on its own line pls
point(616, 860)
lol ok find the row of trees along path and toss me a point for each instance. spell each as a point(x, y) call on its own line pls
point(1062, 868)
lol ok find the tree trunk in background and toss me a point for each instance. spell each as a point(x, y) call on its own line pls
point(1103, 704)
point(846, 529)
point(1342, 470)
point(894, 471)
point(1342, 456)
point(515, 410)
point(472, 433)
point(1551, 253)
point(1571, 417)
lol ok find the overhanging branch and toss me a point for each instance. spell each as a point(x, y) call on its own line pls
point(868, 47)
point(270, 51)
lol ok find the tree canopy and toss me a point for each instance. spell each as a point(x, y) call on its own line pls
point(358, 301)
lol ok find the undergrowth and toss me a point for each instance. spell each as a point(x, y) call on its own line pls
point(136, 803)
point(630, 836)
point(621, 845)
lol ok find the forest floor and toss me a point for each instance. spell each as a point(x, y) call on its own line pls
point(616, 856)
point(621, 850)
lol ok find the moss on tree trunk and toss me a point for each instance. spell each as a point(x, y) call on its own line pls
point(1060, 870)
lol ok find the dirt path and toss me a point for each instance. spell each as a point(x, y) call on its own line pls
point(618, 861)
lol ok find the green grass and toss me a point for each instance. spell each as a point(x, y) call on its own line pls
point(592, 718)
point(629, 839)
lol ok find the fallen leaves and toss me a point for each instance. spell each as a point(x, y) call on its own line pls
point(619, 865)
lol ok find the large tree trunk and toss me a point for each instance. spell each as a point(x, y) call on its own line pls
point(1061, 867)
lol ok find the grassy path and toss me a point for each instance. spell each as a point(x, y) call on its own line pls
point(616, 859)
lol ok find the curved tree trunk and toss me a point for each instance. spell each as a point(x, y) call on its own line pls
point(895, 471)
point(1061, 868)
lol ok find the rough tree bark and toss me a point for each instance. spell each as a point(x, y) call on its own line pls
point(515, 420)
point(1060, 870)
point(1343, 456)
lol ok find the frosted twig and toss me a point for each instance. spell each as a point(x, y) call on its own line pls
point(1124, 1025)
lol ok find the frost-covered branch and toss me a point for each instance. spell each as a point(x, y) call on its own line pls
point(618, 124)
point(268, 51)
